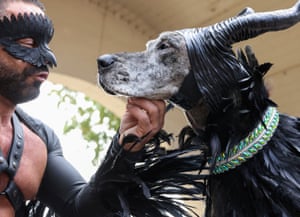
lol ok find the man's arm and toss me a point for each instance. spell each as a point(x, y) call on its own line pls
point(65, 191)
point(63, 188)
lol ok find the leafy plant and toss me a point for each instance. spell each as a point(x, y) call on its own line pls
point(96, 123)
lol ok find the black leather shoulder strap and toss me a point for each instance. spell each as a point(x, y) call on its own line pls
point(16, 149)
point(11, 165)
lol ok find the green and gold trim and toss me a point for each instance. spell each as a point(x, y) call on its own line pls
point(249, 146)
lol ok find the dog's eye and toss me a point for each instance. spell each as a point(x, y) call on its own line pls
point(163, 46)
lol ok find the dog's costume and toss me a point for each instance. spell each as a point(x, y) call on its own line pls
point(254, 152)
point(120, 187)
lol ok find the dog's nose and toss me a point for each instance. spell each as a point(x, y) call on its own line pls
point(105, 60)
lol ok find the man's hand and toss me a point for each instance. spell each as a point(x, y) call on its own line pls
point(142, 117)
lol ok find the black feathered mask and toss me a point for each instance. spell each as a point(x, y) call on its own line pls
point(37, 27)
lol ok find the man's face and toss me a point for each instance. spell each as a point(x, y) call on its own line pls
point(24, 52)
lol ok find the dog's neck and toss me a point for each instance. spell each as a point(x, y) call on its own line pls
point(197, 117)
point(230, 127)
point(233, 137)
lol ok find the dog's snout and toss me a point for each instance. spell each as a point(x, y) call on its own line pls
point(106, 60)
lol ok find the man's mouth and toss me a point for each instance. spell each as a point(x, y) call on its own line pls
point(41, 76)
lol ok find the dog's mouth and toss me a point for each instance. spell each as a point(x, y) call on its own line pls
point(106, 88)
point(111, 90)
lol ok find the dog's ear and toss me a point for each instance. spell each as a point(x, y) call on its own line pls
point(251, 64)
point(252, 60)
point(255, 96)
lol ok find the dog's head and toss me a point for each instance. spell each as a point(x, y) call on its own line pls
point(156, 73)
point(196, 66)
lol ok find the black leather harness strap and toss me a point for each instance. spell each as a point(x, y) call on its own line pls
point(11, 165)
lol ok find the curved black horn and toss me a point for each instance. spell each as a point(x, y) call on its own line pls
point(250, 25)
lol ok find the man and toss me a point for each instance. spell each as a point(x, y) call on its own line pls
point(31, 161)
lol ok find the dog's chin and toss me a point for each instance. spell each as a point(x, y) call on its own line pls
point(127, 92)
point(115, 92)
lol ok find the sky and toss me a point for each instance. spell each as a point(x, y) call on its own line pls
point(75, 148)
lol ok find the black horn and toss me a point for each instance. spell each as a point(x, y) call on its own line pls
point(211, 56)
point(250, 25)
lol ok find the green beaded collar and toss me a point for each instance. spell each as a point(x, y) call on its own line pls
point(249, 146)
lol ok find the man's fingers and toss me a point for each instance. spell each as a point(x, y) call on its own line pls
point(143, 118)
point(155, 110)
point(143, 122)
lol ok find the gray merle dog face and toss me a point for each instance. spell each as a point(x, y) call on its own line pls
point(156, 73)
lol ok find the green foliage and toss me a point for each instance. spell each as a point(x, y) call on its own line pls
point(96, 123)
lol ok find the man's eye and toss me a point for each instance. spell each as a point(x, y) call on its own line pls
point(27, 42)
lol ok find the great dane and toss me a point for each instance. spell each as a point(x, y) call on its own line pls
point(253, 151)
